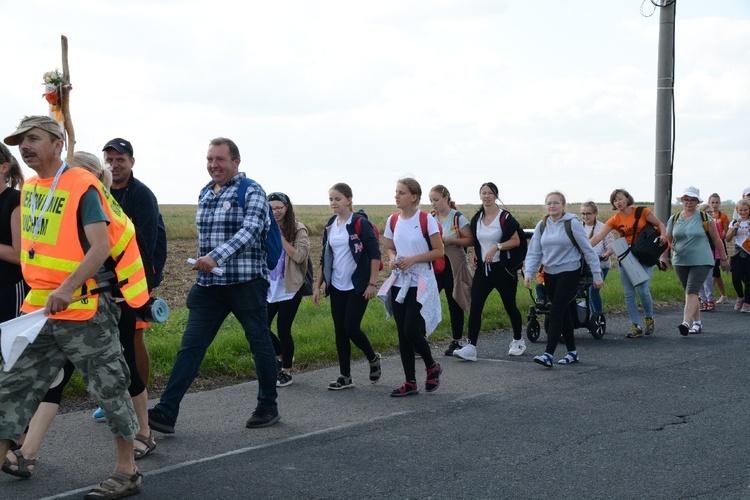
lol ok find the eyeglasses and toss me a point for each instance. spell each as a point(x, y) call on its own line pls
point(278, 209)
point(586, 214)
point(552, 203)
point(689, 200)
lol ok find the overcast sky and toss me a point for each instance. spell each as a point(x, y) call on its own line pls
point(535, 96)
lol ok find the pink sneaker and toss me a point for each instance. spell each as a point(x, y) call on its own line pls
point(745, 308)
point(738, 304)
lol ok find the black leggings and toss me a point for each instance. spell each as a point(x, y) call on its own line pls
point(411, 332)
point(562, 289)
point(445, 282)
point(499, 279)
point(741, 276)
point(347, 309)
point(284, 343)
point(126, 325)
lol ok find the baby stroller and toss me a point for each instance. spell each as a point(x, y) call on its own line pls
point(580, 312)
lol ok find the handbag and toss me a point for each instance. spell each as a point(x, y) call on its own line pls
point(307, 286)
point(645, 245)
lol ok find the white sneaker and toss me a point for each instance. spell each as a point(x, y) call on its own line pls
point(517, 347)
point(468, 352)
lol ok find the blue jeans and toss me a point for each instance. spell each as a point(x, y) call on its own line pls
point(595, 297)
point(644, 292)
point(209, 306)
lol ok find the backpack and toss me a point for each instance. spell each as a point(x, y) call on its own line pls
point(513, 259)
point(455, 227)
point(645, 245)
point(585, 268)
point(438, 265)
point(272, 241)
point(358, 230)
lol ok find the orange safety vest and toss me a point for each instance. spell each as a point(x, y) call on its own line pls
point(57, 251)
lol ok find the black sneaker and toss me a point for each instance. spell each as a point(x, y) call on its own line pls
point(452, 347)
point(284, 379)
point(160, 421)
point(375, 371)
point(262, 418)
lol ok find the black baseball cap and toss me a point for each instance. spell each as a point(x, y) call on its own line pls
point(121, 145)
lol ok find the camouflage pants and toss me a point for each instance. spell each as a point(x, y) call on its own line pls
point(94, 348)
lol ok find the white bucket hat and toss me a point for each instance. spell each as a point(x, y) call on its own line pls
point(692, 192)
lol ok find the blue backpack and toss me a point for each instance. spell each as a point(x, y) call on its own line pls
point(272, 242)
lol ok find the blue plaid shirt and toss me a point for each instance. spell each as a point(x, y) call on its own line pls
point(233, 237)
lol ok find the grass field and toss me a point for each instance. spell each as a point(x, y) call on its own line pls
point(228, 359)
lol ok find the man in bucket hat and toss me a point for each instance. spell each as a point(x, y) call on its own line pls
point(54, 204)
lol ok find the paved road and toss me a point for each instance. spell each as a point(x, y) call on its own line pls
point(658, 417)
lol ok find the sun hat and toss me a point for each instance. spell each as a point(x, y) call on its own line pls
point(38, 121)
point(692, 192)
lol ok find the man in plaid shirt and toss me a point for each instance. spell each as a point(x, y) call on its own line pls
point(231, 238)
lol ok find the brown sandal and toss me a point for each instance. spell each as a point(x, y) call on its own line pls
point(150, 443)
point(117, 485)
point(21, 467)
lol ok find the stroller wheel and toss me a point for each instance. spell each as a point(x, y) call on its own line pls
point(598, 325)
point(533, 330)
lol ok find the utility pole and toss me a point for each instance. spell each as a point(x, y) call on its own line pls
point(665, 111)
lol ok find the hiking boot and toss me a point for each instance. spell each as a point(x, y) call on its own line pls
point(284, 379)
point(433, 378)
point(517, 347)
point(467, 352)
point(569, 359)
point(635, 332)
point(408, 389)
point(375, 368)
point(650, 328)
point(262, 418)
point(544, 360)
point(343, 382)
point(160, 421)
point(454, 346)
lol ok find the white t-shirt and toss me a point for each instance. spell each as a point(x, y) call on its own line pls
point(343, 262)
point(276, 285)
point(741, 232)
point(489, 236)
point(408, 238)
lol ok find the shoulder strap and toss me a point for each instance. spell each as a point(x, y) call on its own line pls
point(358, 225)
point(423, 223)
point(242, 190)
point(638, 212)
point(503, 218)
point(569, 230)
point(543, 226)
point(393, 220)
point(704, 218)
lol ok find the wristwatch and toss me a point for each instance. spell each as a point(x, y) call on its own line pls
point(500, 247)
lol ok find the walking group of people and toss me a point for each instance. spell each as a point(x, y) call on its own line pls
point(88, 246)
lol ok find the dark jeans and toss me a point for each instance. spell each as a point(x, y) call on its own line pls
point(209, 306)
point(284, 343)
point(497, 278)
point(347, 309)
point(411, 332)
point(445, 282)
point(561, 289)
point(741, 276)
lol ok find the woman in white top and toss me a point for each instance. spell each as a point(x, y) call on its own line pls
point(286, 279)
point(498, 254)
point(349, 265)
point(589, 212)
point(410, 293)
point(739, 229)
point(456, 279)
